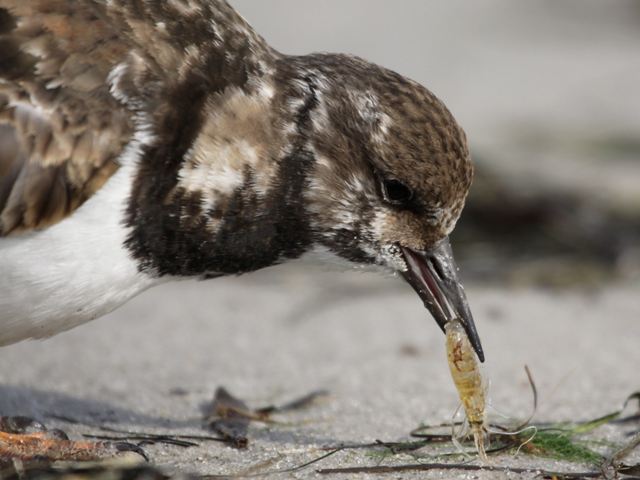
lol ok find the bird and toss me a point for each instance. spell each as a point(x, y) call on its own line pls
point(148, 141)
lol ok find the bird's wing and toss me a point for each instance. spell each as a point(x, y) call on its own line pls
point(74, 77)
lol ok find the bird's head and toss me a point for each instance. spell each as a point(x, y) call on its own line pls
point(390, 177)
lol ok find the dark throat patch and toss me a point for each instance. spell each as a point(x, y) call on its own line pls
point(172, 238)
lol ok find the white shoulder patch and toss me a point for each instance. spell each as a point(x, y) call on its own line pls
point(237, 136)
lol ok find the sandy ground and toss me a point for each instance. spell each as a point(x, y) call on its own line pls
point(284, 332)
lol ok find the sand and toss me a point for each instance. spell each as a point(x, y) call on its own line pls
point(272, 336)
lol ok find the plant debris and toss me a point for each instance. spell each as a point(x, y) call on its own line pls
point(378, 469)
point(562, 440)
point(143, 438)
point(25, 440)
point(559, 441)
point(230, 416)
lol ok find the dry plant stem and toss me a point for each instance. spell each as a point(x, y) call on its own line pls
point(534, 392)
point(153, 439)
point(152, 436)
point(274, 472)
point(379, 469)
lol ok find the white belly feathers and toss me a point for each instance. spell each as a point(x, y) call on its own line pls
point(72, 272)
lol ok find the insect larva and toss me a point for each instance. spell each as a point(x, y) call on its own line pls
point(467, 379)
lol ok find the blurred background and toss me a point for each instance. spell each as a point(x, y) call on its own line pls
point(548, 93)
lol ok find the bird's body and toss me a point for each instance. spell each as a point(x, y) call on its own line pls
point(148, 141)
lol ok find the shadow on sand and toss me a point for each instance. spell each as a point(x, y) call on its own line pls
point(46, 406)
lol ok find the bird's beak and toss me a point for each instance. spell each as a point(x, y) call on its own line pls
point(434, 276)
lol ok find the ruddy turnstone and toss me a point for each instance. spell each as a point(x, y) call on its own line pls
point(146, 141)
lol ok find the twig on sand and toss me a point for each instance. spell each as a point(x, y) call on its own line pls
point(180, 440)
point(378, 469)
point(146, 439)
point(275, 472)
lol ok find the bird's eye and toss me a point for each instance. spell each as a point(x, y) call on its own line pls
point(396, 193)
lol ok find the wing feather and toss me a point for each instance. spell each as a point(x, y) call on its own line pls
point(74, 74)
point(66, 128)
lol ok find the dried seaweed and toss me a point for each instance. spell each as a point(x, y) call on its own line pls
point(611, 467)
point(559, 441)
point(230, 416)
point(552, 440)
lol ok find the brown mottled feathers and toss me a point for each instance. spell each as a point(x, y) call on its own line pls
point(65, 128)
point(63, 122)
